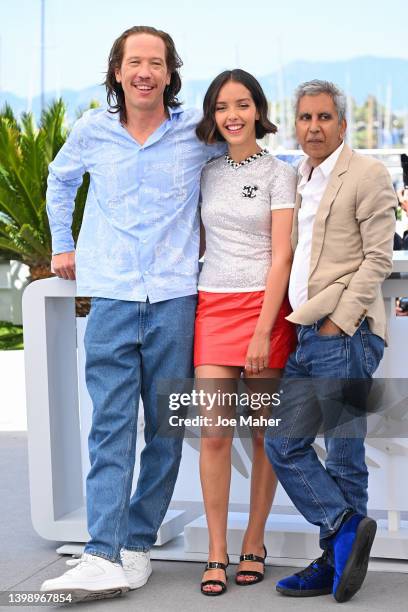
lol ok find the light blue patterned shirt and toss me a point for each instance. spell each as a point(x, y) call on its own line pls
point(140, 232)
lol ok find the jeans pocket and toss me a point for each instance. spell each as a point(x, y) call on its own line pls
point(317, 326)
point(373, 349)
point(327, 336)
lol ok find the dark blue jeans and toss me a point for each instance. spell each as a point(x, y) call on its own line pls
point(130, 347)
point(316, 396)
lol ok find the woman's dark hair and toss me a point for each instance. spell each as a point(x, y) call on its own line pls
point(207, 128)
point(114, 91)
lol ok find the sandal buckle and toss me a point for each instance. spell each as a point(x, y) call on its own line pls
point(248, 557)
point(215, 565)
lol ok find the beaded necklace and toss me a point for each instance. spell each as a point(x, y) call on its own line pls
point(246, 161)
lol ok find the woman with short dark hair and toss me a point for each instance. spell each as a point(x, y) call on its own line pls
point(241, 332)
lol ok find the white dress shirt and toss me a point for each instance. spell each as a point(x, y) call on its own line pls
point(311, 192)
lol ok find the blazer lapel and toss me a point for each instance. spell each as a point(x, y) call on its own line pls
point(329, 195)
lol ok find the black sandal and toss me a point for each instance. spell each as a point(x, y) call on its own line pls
point(215, 565)
point(258, 576)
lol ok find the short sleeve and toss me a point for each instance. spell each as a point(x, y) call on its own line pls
point(283, 186)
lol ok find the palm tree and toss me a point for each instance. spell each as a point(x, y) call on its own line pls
point(25, 153)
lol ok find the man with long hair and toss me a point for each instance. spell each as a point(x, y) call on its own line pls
point(137, 257)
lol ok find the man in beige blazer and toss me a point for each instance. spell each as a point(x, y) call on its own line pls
point(342, 240)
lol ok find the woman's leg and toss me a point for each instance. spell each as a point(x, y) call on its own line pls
point(263, 481)
point(215, 464)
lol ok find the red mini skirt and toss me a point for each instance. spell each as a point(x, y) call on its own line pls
point(225, 324)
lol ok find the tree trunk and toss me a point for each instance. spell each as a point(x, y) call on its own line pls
point(41, 271)
point(82, 306)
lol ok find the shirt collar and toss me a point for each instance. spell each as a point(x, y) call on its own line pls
point(326, 167)
point(173, 112)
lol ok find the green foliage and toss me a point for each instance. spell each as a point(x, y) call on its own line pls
point(399, 213)
point(25, 153)
point(11, 336)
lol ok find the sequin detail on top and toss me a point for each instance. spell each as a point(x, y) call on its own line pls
point(236, 210)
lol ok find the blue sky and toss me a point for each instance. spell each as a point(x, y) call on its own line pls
point(210, 35)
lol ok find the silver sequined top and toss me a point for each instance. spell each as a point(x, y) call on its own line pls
point(236, 205)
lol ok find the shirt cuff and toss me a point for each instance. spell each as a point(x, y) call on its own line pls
point(62, 245)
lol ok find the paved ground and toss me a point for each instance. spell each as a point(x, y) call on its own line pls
point(27, 560)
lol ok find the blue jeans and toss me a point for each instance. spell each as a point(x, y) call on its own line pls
point(326, 367)
point(129, 347)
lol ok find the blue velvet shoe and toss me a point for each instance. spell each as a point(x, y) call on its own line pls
point(316, 579)
point(351, 547)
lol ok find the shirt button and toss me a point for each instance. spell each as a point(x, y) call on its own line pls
point(145, 211)
point(146, 272)
point(144, 241)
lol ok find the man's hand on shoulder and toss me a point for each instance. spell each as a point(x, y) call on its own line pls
point(63, 265)
point(329, 328)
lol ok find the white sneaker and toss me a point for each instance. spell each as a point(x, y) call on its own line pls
point(92, 578)
point(137, 567)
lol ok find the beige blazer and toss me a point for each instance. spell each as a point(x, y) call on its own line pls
point(351, 246)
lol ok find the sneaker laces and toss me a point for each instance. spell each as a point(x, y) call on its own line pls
point(78, 562)
point(314, 567)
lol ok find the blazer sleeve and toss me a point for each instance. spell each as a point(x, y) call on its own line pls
point(375, 214)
